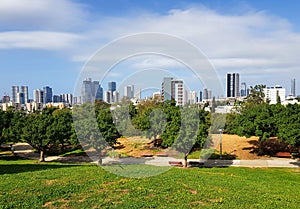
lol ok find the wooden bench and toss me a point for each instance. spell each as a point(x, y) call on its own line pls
point(283, 154)
point(162, 154)
point(146, 155)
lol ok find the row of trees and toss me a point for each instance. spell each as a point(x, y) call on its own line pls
point(255, 117)
point(49, 129)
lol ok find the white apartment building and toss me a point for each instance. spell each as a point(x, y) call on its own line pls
point(271, 94)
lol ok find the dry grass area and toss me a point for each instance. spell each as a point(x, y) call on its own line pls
point(136, 146)
point(242, 147)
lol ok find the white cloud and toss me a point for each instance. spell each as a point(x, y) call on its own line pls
point(37, 40)
point(40, 14)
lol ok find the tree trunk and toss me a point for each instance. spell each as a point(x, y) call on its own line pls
point(185, 161)
point(100, 160)
point(42, 155)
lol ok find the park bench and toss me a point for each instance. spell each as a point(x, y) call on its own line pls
point(146, 155)
point(162, 154)
point(283, 154)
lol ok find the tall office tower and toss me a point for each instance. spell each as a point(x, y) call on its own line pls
point(14, 92)
point(192, 97)
point(47, 94)
point(97, 90)
point(233, 85)
point(38, 96)
point(116, 96)
point(243, 89)
point(91, 90)
point(200, 96)
point(86, 90)
point(167, 88)
point(129, 91)
point(205, 94)
point(20, 98)
point(112, 86)
point(209, 94)
point(67, 98)
point(293, 87)
point(24, 90)
point(107, 96)
point(56, 99)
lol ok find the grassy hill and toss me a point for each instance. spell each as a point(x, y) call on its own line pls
point(29, 184)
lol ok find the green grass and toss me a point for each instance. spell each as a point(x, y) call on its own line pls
point(29, 184)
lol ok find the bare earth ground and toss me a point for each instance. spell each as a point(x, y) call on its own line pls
point(241, 147)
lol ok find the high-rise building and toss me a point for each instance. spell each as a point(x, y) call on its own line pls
point(91, 90)
point(272, 94)
point(209, 94)
point(129, 91)
point(192, 97)
point(107, 96)
point(112, 87)
point(56, 99)
point(5, 99)
point(86, 90)
point(233, 85)
point(24, 90)
point(167, 88)
point(47, 94)
point(67, 98)
point(200, 96)
point(20, 98)
point(243, 89)
point(205, 94)
point(14, 92)
point(293, 87)
point(38, 96)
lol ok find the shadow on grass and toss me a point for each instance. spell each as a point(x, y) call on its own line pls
point(20, 168)
point(15, 164)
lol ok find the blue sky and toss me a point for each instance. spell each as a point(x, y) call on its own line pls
point(47, 42)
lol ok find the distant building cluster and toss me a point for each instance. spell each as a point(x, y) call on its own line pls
point(171, 88)
point(42, 98)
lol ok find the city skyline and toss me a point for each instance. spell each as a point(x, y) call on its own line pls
point(45, 45)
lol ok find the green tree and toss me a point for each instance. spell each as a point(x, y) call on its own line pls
point(94, 127)
point(193, 132)
point(37, 130)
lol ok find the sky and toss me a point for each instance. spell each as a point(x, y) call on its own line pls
point(51, 42)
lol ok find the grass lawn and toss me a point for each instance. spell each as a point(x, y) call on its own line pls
point(29, 184)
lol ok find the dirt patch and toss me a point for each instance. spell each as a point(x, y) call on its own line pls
point(241, 147)
point(136, 146)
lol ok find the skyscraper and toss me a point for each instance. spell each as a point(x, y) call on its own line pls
point(38, 96)
point(167, 88)
point(243, 89)
point(24, 90)
point(14, 92)
point(205, 94)
point(47, 94)
point(233, 85)
point(112, 87)
point(293, 87)
point(129, 91)
point(91, 90)
point(174, 89)
point(20, 98)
